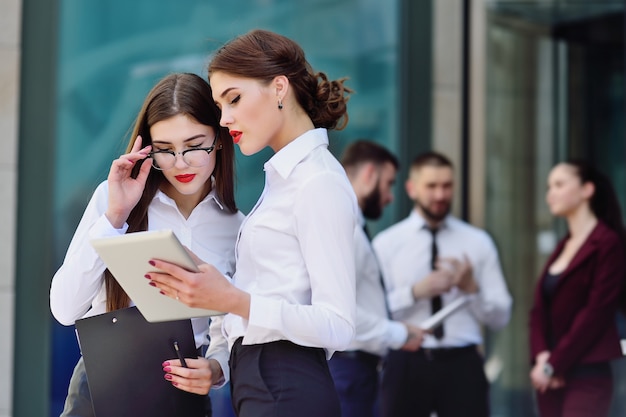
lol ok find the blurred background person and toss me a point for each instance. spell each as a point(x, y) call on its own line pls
point(428, 260)
point(372, 170)
point(573, 331)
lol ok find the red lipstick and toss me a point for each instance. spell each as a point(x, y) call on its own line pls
point(185, 177)
point(236, 136)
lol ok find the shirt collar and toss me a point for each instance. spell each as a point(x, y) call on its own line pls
point(286, 159)
point(421, 223)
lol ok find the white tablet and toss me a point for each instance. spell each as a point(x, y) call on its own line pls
point(450, 308)
point(127, 258)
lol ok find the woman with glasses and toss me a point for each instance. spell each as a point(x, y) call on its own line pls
point(292, 300)
point(177, 173)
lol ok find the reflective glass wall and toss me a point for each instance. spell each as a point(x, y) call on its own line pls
point(111, 53)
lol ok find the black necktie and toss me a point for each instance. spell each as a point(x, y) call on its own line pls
point(435, 302)
point(382, 282)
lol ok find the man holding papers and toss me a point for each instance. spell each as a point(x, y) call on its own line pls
point(430, 260)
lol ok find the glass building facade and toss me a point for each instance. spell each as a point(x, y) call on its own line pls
point(554, 91)
point(553, 88)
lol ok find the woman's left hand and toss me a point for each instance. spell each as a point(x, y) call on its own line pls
point(198, 378)
point(556, 382)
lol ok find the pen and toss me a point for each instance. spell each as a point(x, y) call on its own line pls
point(180, 355)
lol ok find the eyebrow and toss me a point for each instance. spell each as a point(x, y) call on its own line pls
point(227, 91)
point(164, 142)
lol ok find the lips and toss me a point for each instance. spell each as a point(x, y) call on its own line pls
point(236, 135)
point(185, 177)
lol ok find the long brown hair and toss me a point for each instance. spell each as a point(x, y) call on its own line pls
point(190, 95)
point(605, 206)
point(263, 55)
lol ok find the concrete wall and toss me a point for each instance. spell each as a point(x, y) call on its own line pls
point(447, 96)
point(10, 51)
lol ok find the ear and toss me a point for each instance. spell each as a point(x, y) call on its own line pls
point(281, 84)
point(589, 190)
point(360, 178)
point(409, 187)
point(369, 175)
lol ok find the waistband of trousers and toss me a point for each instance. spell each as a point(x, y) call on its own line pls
point(359, 355)
point(444, 353)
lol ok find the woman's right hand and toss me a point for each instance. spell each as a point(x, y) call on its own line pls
point(207, 288)
point(125, 191)
point(540, 381)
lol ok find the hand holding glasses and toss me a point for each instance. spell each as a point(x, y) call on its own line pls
point(194, 157)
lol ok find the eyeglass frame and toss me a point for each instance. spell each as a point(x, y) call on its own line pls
point(182, 153)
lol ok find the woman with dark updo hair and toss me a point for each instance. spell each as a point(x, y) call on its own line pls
point(291, 303)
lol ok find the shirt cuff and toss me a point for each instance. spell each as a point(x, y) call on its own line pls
point(397, 334)
point(263, 315)
point(103, 228)
point(225, 371)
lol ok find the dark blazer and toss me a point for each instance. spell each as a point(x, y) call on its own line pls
point(584, 305)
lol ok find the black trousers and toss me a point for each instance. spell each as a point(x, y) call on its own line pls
point(450, 382)
point(281, 379)
point(355, 374)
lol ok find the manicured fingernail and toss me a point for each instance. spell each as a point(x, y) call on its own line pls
point(147, 276)
point(175, 384)
point(162, 292)
point(152, 283)
point(168, 377)
point(166, 363)
point(151, 263)
point(167, 369)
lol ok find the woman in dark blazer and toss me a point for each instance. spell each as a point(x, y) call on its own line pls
point(573, 333)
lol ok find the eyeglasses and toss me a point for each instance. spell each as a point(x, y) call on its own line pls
point(194, 157)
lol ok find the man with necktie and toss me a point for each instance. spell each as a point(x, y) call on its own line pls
point(371, 170)
point(428, 260)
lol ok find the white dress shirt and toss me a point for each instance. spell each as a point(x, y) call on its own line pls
point(404, 252)
point(78, 288)
point(295, 253)
point(375, 333)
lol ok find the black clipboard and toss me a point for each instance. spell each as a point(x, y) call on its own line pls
point(123, 354)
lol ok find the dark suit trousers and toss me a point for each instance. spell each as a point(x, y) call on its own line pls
point(356, 378)
point(78, 400)
point(281, 379)
point(449, 382)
